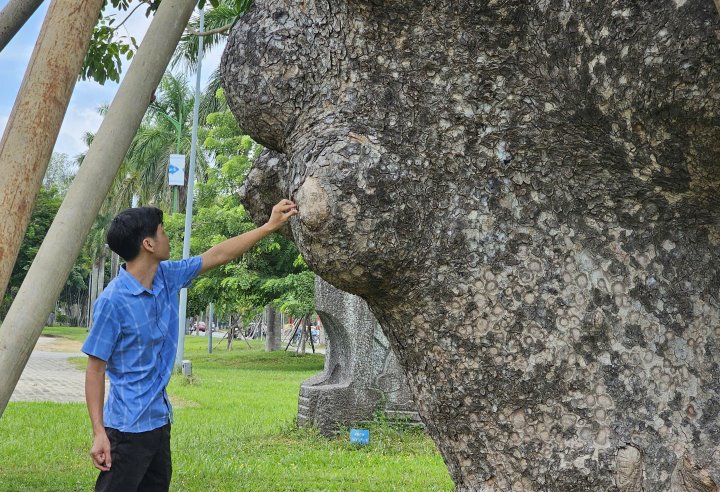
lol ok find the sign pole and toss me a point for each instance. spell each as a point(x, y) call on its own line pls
point(182, 314)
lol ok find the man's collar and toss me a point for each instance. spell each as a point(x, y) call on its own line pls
point(131, 283)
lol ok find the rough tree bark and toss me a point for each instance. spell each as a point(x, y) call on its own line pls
point(535, 186)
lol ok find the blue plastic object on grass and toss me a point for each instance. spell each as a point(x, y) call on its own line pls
point(359, 436)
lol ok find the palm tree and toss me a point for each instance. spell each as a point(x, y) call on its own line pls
point(98, 251)
point(166, 129)
point(218, 22)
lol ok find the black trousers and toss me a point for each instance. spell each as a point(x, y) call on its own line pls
point(140, 461)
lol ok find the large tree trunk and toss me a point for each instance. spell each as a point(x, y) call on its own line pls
point(526, 194)
point(47, 274)
point(36, 117)
point(13, 16)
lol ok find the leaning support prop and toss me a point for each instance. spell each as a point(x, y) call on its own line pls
point(13, 16)
point(25, 319)
point(36, 117)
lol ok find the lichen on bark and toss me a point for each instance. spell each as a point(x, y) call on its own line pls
point(526, 194)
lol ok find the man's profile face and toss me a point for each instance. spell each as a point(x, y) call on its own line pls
point(162, 244)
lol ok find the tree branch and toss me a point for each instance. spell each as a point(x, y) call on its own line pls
point(219, 30)
point(130, 14)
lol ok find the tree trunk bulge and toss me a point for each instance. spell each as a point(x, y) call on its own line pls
point(526, 194)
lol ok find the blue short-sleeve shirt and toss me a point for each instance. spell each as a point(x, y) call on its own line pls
point(135, 331)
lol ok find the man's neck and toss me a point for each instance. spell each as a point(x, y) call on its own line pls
point(143, 268)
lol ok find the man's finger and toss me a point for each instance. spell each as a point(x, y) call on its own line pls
point(286, 207)
point(108, 458)
point(289, 214)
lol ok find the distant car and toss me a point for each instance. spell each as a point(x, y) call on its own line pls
point(199, 326)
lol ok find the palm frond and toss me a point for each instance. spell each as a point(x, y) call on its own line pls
point(225, 14)
point(209, 102)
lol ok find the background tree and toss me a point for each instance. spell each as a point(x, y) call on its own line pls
point(526, 195)
point(46, 206)
point(109, 47)
point(60, 172)
point(218, 22)
point(245, 286)
point(72, 302)
point(96, 248)
point(166, 129)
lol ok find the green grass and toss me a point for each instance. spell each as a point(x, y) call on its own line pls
point(77, 333)
point(234, 431)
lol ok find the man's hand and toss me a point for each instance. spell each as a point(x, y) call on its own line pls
point(280, 214)
point(100, 452)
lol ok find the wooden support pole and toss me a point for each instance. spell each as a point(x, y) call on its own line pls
point(45, 279)
point(13, 16)
point(36, 117)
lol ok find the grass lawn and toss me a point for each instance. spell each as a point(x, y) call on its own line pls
point(234, 431)
point(75, 333)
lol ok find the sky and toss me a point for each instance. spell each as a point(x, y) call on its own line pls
point(81, 115)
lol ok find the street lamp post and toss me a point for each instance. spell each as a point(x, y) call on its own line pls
point(182, 314)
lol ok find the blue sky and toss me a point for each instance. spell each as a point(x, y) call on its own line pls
point(82, 113)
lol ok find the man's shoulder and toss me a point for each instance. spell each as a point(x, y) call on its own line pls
point(177, 267)
point(169, 267)
point(113, 292)
point(170, 264)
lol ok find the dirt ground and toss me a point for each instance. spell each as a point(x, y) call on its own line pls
point(54, 344)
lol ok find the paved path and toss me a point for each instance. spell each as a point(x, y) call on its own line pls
point(48, 376)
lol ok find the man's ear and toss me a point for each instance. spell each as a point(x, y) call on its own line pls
point(148, 244)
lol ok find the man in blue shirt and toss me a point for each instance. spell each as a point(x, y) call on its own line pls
point(134, 338)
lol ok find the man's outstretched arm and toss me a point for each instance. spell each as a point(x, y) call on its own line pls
point(232, 248)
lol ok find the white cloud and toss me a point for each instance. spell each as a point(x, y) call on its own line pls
point(78, 120)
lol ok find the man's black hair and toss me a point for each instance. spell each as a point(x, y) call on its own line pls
point(128, 229)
